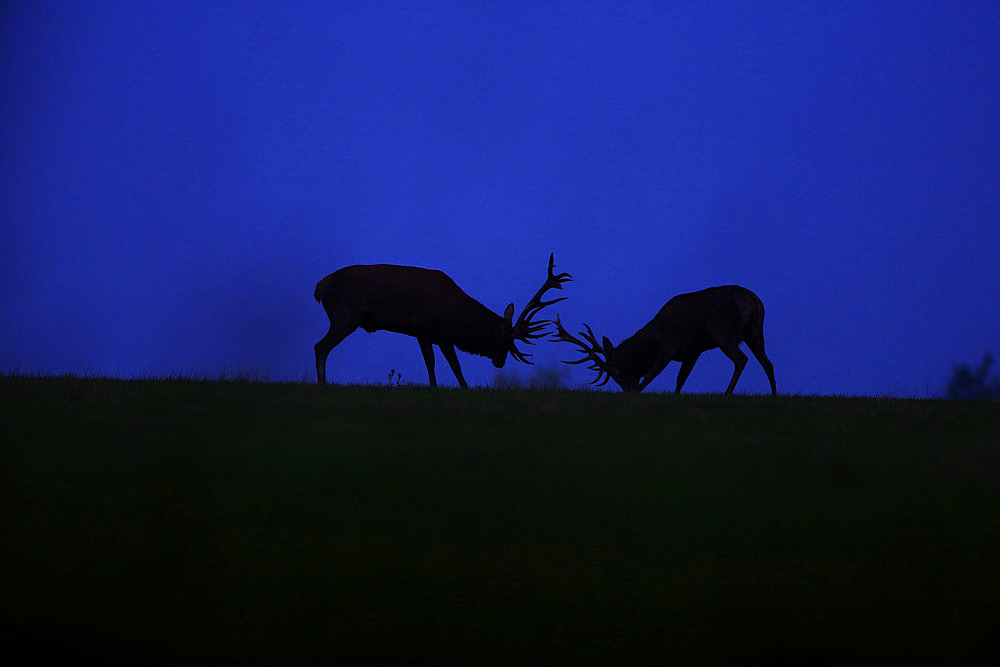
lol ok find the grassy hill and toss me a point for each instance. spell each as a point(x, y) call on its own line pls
point(287, 523)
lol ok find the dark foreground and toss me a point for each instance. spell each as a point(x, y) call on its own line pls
point(170, 522)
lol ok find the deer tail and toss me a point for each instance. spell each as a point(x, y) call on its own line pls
point(320, 289)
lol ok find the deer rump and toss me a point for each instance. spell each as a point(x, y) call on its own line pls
point(699, 321)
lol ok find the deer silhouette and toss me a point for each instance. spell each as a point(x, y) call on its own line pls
point(428, 305)
point(686, 326)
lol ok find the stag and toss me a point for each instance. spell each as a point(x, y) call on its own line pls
point(429, 306)
point(686, 326)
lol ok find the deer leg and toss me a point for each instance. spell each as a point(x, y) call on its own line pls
point(739, 360)
point(682, 374)
point(333, 337)
point(427, 348)
point(654, 370)
point(449, 353)
point(756, 346)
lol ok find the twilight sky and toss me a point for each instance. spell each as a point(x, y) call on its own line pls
point(176, 176)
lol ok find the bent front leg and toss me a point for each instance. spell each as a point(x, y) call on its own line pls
point(654, 370)
point(449, 354)
point(682, 374)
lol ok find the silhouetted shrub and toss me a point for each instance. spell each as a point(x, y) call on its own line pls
point(968, 383)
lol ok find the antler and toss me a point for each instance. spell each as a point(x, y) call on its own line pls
point(591, 349)
point(525, 329)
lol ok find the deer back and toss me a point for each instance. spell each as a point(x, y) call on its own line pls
point(409, 300)
point(689, 324)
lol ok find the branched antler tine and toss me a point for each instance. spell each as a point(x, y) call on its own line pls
point(567, 337)
point(591, 350)
point(530, 337)
point(562, 277)
point(539, 304)
point(591, 338)
point(533, 330)
point(530, 322)
point(562, 335)
point(601, 373)
point(523, 326)
point(521, 356)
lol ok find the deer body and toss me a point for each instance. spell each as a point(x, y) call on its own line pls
point(425, 304)
point(686, 326)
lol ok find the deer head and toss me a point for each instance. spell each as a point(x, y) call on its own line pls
point(526, 329)
point(602, 357)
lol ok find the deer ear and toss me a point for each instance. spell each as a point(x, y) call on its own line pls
point(609, 349)
point(509, 314)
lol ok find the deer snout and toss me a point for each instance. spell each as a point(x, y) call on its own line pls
point(628, 383)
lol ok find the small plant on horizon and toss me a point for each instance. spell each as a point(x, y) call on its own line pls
point(395, 377)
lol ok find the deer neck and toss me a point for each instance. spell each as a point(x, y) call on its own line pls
point(638, 352)
point(475, 328)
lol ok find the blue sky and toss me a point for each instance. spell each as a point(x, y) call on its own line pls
point(176, 176)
